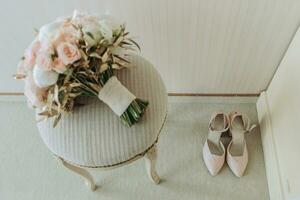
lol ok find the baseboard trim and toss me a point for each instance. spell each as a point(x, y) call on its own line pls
point(276, 191)
point(11, 93)
point(173, 97)
point(172, 94)
point(215, 94)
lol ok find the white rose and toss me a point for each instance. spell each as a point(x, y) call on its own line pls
point(49, 31)
point(112, 22)
point(91, 33)
point(44, 78)
point(109, 26)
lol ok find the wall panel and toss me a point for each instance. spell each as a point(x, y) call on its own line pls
point(199, 46)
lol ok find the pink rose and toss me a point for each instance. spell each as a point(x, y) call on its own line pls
point(30, 54)
point(36, 96)
point(67, 33)
point(44, 58)
point(68, 53)
point(70, 33)
point(59, 66)
point(44, 61)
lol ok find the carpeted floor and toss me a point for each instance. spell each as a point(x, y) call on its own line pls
point(29, 172)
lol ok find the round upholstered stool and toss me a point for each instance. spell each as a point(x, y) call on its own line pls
point(94, 137)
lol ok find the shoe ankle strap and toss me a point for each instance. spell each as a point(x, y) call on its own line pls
point(226, 121)
point(247, 124)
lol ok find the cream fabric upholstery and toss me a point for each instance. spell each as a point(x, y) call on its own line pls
point(94, 136)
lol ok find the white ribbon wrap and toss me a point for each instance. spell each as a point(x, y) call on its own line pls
point(116, 96)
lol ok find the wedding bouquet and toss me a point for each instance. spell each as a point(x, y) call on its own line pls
point(76, 56)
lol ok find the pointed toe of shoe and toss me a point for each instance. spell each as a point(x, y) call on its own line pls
point(213, 162)
point(239, 171)
point(213, 169)
point(237, 164)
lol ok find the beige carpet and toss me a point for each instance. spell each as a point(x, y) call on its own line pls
point(29, 172)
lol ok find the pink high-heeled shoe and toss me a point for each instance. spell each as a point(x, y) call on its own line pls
point(213, 149)
point(237, 153)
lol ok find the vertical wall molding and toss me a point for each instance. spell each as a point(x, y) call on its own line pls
point(269, 148)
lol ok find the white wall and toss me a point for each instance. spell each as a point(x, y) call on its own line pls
point(283, 104)
point(199, 46)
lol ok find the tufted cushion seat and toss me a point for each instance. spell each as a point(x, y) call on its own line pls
point(93, 136)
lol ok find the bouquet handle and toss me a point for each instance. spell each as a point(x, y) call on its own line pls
point(116, 96)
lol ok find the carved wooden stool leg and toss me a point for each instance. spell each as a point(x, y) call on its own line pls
point(150, 159)
point(80, 171)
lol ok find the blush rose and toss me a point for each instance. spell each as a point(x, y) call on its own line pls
point(68, 53)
